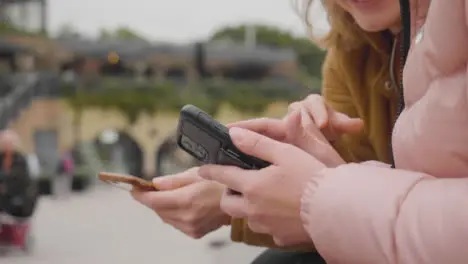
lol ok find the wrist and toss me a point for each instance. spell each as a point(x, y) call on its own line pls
point(308, 196)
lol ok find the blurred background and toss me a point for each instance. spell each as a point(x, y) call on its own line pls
point(96, 85)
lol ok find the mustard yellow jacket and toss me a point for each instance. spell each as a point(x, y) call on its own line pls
point(356, 95)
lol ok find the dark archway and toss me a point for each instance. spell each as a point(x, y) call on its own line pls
point(75, 64)
point(246, 71)
point(171, 159)
point(149, 72)
point(114, 69)
point(176, 74)
point(122, 154)
point(9, 59)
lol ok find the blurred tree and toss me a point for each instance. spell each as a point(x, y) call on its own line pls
point(105, 34)
point(309, 55)
point(121, 33)
point(8, 28)
point(68, 31)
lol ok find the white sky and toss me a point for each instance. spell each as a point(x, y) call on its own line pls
point(171, 20)
point(166, 20)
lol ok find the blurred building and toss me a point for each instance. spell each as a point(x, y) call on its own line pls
point(158, 61)
point(48, 126)
point(26, 15)
point(187, 62)
point(20, 17)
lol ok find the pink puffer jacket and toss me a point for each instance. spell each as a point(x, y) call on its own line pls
point(417, 213)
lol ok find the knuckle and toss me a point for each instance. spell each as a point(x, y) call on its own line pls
point(190, 219)
point(279, 241)
point(193, 215)
point(195, 232)
point(255, 143)
point(197, 235)
point(284, 148)
point(165, 220)
point(224, 205)
point(313, 98)
point(253, 213)
point(258, 143)
point(185, 201)
point(252, 225)
point(257, 226)
point(154, 205)
point(250, 189)
point(293, 106)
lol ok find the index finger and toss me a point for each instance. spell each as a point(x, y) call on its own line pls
point(317, 109)
point(265, 148)
point(234, 178)
point(270, 127)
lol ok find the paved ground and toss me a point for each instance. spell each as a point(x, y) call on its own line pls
point(105, 226)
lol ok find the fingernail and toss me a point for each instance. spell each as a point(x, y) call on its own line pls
point(322, 123)
point(237, 134)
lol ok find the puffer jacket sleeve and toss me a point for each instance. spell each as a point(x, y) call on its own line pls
point(362, 213)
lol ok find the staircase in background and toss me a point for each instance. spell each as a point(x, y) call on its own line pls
point(17, 92)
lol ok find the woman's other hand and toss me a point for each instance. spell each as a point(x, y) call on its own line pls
point(317, 113)
point(187, 202)
point(270, 199)
point(309, 125)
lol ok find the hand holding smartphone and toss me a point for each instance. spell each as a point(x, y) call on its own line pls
point(209, 141)
point(126, 182)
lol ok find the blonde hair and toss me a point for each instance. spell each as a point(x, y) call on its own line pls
point(348, 41)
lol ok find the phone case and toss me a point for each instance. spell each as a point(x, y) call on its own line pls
point(208, 141)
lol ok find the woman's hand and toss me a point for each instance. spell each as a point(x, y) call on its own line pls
point(317, 113)
point(310, 125)
point(270, 199)
point(187, 202)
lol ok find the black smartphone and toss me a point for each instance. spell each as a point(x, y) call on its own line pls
point(207, 140)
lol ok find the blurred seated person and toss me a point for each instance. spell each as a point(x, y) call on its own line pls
point(12, 160)
point(18, 191)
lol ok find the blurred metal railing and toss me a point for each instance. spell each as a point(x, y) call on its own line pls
point(17, 91)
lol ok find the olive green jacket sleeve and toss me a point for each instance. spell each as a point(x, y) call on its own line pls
point(338, 93)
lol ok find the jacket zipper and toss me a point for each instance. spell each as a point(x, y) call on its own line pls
point(405, 41)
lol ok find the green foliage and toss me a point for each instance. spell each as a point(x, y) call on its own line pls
point(121, 33)
point(245, 97)
point(68, 31)
point(9, 29)
point(266, 35)
point(309, 55)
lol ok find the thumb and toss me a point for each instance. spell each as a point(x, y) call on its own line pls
point(343, 124)
point(176, 181)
